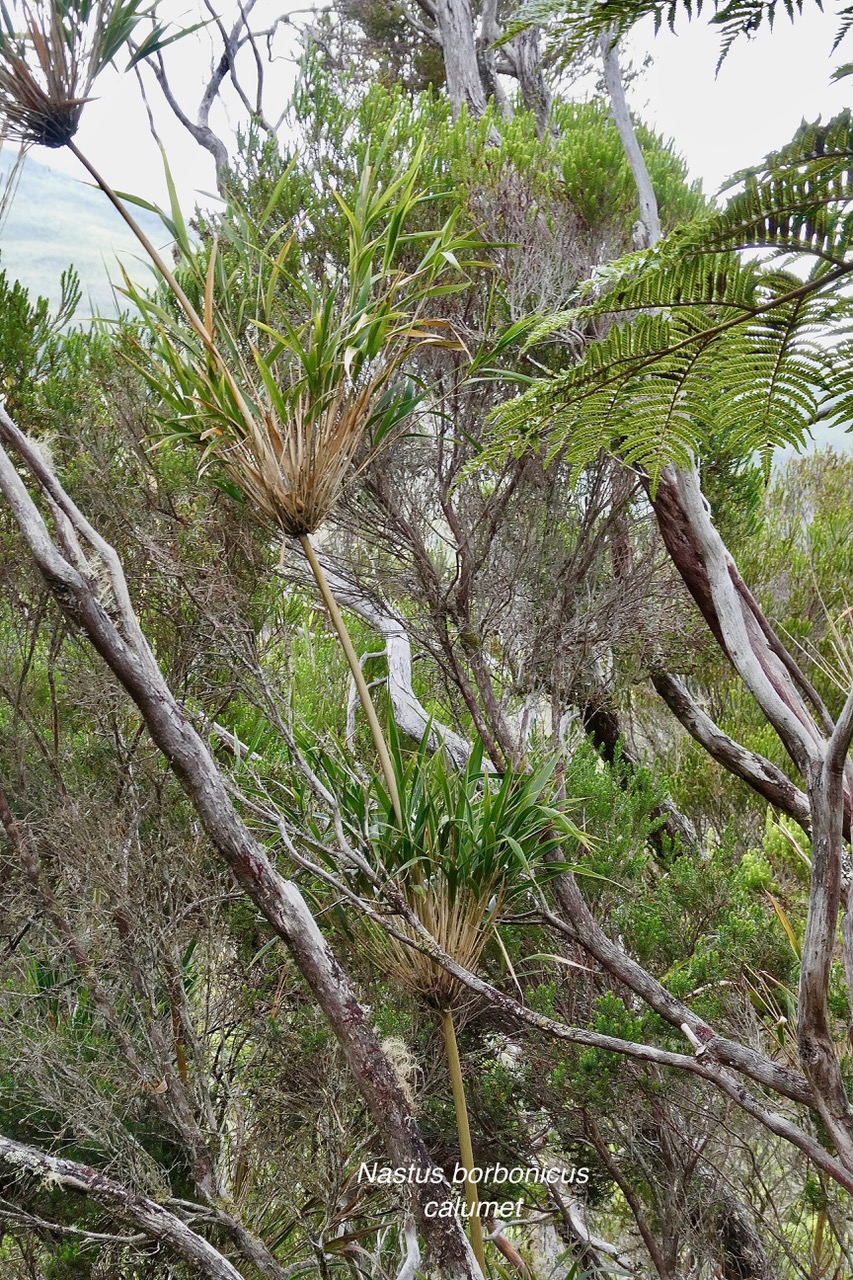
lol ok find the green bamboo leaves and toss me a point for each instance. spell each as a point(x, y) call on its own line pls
point(290, 384)
point(469, 844)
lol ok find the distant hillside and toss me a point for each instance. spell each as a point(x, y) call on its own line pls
point(55, 221)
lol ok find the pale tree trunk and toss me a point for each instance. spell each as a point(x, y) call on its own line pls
point(820, 755)
point(788, 701)
point(410, 715)
point(122, 646)
point(622, 119)
point(151, 1219)
point(459, 50)
point(489, 33)
point(535, 93)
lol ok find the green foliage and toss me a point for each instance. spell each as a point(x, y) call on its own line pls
point(715, 927)
point(247, 653)
point(471, 844)
point(286, 406)
point(707, 341)
point(578, 179)
point(801, 563)
point(28, 341)
point(478, 829)
point(616, 804)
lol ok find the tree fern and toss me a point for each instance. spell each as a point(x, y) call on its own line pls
point(703, 337)
point(573, 24)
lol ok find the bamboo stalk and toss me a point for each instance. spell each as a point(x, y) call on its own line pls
point(316, 568)
point(463, 1129)
point(357, 673)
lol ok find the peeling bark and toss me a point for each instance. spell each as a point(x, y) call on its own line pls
point(711, 576)
point(456, 31)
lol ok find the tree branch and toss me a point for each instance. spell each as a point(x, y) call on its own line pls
point(152, 1219)
point(410, 714)
point(700, 1064)
point(608, 46)
point(710, 574)
point(814, 1034)
point(765, 779)
point(127, 654)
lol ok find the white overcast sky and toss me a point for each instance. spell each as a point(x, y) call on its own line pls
point(720, 124)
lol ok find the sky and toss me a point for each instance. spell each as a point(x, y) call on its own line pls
point(719, 123)
point(765, 88)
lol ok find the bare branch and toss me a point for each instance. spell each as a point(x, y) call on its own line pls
point(409, 713)
point(701, 1063)
point(814, 1034)
point(428, 33)
point(32, 1222)
point(839, 743)
point(766, 779)
point(622, 119)
point(151, 1218)
point(128, 656)
point(200, 130)
point(581, 927)
point(709, 572)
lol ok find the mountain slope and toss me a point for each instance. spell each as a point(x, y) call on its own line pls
point(55, 221)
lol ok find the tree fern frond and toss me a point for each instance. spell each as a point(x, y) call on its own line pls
point(774, 379)
point(571, 24)
point(706, 339)
point(666, 279)
point(652, 388)
point(836, 407)
point(846, 16)
point(800, 199)
point(745, 17)
point(621, 398)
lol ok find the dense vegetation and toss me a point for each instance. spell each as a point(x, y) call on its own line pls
point(424, 710)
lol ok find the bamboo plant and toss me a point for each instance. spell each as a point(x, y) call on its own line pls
point(290, 407)
point(291, 401)
point(470, 844)
point(287, 411)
